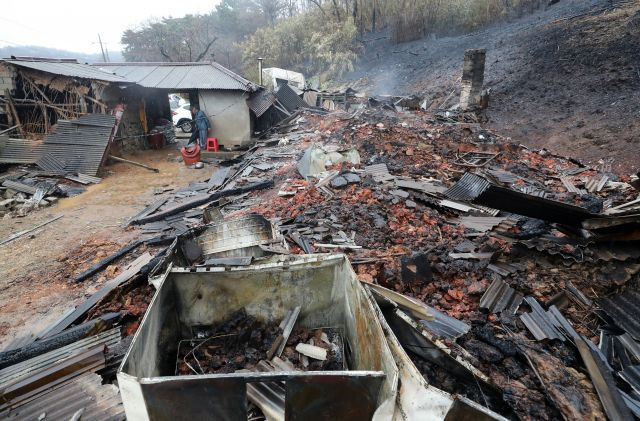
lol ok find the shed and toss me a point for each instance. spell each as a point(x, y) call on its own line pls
point(36, 92)
point(221, 93)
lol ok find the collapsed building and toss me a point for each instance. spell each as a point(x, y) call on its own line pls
point(364, 259)
point(496, 281)
point(37, 92)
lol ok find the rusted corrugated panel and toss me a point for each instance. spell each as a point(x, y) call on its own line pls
point(468, 188)
point(200, 75)
point(21, 187)
point(48, 162)
point(19, 151)
point(100, 402)
point(33, 385)
point(68, 68)
point(543, 324)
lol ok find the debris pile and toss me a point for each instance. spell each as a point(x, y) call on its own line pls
point(506, 274)
point(25, 191)
point(492, 234)
point(242, 342)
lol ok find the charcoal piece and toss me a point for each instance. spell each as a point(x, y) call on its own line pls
point(416, 269)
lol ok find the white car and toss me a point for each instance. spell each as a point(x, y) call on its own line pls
point(182, 118)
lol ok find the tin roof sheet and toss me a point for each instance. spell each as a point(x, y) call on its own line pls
point(200, 75)
point(68, 68)
point(98, 402)
point(80, 144)
point(260, 102)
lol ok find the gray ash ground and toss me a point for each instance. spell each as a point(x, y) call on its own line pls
point(564, 77)
point(242, 341)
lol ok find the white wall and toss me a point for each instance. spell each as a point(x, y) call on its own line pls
point(229, 116)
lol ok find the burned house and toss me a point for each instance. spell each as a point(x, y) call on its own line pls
point(35, 93)
point(219, 92)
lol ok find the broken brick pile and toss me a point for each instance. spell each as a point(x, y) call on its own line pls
point(393, 224)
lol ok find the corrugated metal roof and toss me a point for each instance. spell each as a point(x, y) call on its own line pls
point(289, 99)
point(260, 102)
point(201, 75)
point(10, 374)
point(624, 309)
point(100, 402)
point(80, 144)
point(68, 68)
point(444, 326)
point(19, 151)
point(475, 189)
point(501, 297)
point(543, 324)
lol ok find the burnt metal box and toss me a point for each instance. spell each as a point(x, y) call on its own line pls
point(329, 294)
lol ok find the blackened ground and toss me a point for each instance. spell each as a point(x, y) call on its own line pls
point(566, 77)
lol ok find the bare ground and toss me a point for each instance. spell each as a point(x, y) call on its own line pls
point(566, 77)
point(36, 271)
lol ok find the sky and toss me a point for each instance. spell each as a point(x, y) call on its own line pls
point(74, 24)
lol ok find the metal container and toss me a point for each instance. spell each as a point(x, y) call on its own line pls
point(329, 294)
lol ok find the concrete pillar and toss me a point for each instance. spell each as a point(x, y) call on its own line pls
point(472, 79)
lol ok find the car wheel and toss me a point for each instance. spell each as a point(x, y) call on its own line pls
point(185, 125)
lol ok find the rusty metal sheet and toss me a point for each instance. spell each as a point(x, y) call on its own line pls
point(624, 309)
point(80, 144)
point(30, 386)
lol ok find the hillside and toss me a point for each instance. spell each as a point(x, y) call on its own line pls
point(565, 78)
point(37, 51)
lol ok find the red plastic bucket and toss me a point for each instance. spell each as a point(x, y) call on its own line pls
point(190, 154)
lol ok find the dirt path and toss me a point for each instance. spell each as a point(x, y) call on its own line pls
point(36, 270)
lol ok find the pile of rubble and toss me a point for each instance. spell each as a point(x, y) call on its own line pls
point(488, 274)
point(23, 191)
point(508, 240)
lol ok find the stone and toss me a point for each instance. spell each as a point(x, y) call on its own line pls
point(338, 182)
point(351, 177)
point(410, 204)
point(400, 193)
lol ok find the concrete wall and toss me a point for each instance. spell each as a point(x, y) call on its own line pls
point(229, 116)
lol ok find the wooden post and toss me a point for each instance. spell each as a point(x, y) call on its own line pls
point(42, 94)
point(45, 118)
point(12, 108)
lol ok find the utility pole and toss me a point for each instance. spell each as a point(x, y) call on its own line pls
point(104, 58)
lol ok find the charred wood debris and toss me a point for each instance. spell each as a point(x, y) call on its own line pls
point(524, 263)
